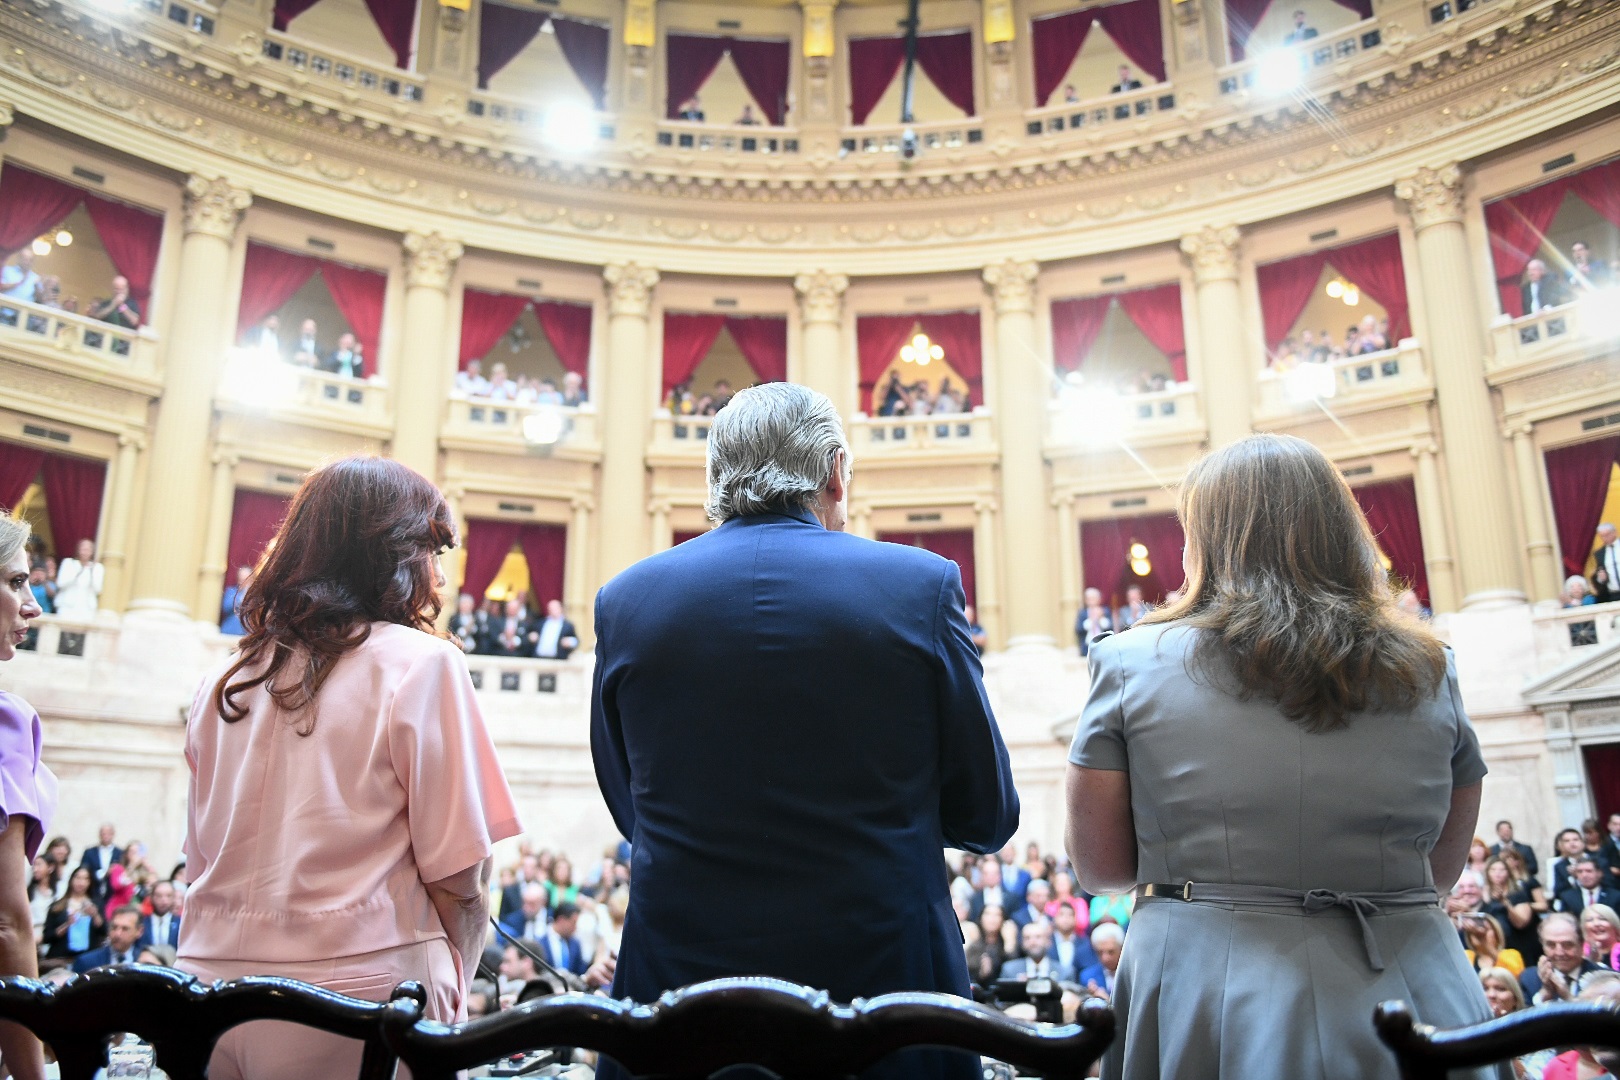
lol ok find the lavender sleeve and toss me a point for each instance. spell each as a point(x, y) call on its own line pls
point(27, 787)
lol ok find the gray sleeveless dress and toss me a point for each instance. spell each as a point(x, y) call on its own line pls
point(1232, 792)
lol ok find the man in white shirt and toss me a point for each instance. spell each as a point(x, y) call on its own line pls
point(162, 927)
point(307, 352)
point(1606, 578)
point(19, 280)
point(98, 860)
point(990, 893)
point(78, 585)
point(557, 636)
point(1069, 949)
point(471, 381)
point(1107, 940)
point(267, 338)
point(1539, 290)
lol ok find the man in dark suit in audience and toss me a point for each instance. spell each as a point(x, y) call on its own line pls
point(1589, 888)
point(1540, 289)
point(162, 927)
point(1504, 836)
point(1302, 30)
point(512, 635)
point(1034, 907)
point(560, 948)
point(1126, 81)
point(1035, 941)
point(123, 931)
point(98, 860)
point(528, 919)
point(1070, 948)
point(794, 719)
point(555, 636)
point(1562, 970)
point(1606, 562)
point(991, 891)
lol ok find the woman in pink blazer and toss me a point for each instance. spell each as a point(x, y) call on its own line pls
point(345, 793)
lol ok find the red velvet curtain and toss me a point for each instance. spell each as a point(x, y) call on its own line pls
point(503, 33)
point(1603, 777)
point(1517, 225)
point(73, 489)
point(687, 340)
point(947, 60)
point(1375, 267)
point(485, 319)
point(585, 46)
point(545, 549)
point(288, 10)
point(270, 276)
point(1136, 29)
point(487, 543)
point(1578, 481)
point(396, 20)
point(19, 467)
point(1599, 187)
point(1056, 41)
point(957, 332)
point(1075, 326)
point(131, 237)
point(1391, 510)
point(689, 60)
point(1157, 313)
point(1362, 8)
point(30, 203)
point(953, 544)
point(873, 64)
point(255, 517)
point(568, 328)
point(1105, 552)
point(1285, 289)
point(763, 341)
point(359, 295)
point(763, 66)
point(680, 538)
point(1242, 16)
point(877, 342)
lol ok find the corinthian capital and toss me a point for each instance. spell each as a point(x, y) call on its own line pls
point(430, 259)
point(1433, 196)
point(1213, 252)
point(820, 296)
point(1012, 285)
point(214, 206)
point(629, 288)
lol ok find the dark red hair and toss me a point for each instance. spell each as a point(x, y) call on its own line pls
point(360, 544)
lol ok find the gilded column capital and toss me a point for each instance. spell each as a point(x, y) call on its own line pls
point(1012, 285)
point(1432, 196)
point(430, 259)
point(821, 296)
point(1213, 252)
point(629, 288)
point(214, 206)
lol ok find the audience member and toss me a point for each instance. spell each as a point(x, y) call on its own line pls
point(1589, 888)
point(469, 626)
point(1563, 969)
point(1467, 895)
point(1369, 338)
point(118, 309)
point(1302, 31)
point(1600, 930)
point(1577, 593)
point(74, 924)
point(60, 852)
point(1586, 273)
point(1033, 910)
point(950, 400)
point(157, 955)
point(558, 946)
point(123, 931)
point(230, 603)
point(1071, 944)
point(1093, 621)
point(162, 926)
point(1582, 1063)
point(573, 390)
point(1606, 576)
point(1595, 844)
point(556, 637)
point(100, 860)
point(345, 359)
point(513, 636)
point(1505, 842)
point(41, 894)
point(530, 920)
point(747, 117)
point(1035, 942)
point(691, 109)
point(1541, 290)
point(501, 386)
point(975, 631)
point(1126, 82)
point(1508, 902)
point(1570, 846)
point(1107, 942)
point(50, 292)
point(266, 339)
point(1134, 610)
point(78, 583)
point(987, 955)
point(548, 394)
point(517, 970)
point(559, 883)
point(470, 380)
point(1478, 856)
point(307, 350)
point(1484, 942)
point(19, 280)
point(43, 588)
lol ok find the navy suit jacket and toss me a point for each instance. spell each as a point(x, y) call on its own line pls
point(97, 957)
point(795, 720)
point(146, 933)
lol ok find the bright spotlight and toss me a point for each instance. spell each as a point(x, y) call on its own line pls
point(1141, 567)
point(1600, 314)
point(63, 238)
point(1279, 71)
point(1138, 551)
point(1306, 383)
point(1094, 415)
point(569, 128)
point(252, 377)
point(544, 426)
point(1352, 295)
point(1335, 288)
point(42, 246)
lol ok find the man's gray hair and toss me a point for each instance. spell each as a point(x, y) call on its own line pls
point(1108, 931)
point(771, 450)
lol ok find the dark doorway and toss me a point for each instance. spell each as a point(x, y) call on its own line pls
point(1603, 777)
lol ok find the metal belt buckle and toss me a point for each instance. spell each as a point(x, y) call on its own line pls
point(1186, 892)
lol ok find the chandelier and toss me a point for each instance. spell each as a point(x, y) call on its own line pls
point(919, 350)
point(1141, 566)
point(42, 245)
point(1340, 289)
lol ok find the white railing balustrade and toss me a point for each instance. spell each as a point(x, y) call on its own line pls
point(1566, 634)
point(513, 675)
point(1277, 70)
point(520, 425)
point(1364, 376)
point(73, 639)
point(688, 137)
point(338, 71)
point(254, 382)
point(681, 434)
point(78, 335)
point(1102, 418)
point(890, 139)
point(898, 434)
point(1090, 113)
point(1570, 331)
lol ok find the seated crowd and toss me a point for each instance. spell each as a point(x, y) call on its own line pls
point(1368, 336)
point(680, 401)
point(524, 390)
point(919, 399)
point(20, 281)
point(513, 628)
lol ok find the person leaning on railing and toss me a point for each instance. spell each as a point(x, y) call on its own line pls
point(27, 798)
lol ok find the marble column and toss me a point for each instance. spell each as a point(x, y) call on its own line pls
point(115, 533)
point(420, 384)
point(580, 598)
point(988, 600)
point(662, 538)
point(1068, 535)
point(212, 572)
point(1226, 370)
point(171, 533)
point(826, 367)
point(860, 520)
point(1443, 594)
point(1024, 384)
point(626, 408)
point(1456, 350)
point(1546, 582)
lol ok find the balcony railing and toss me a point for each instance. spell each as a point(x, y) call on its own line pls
point(519, 114)
point(900, 434)
point(54, 635)
point(199, 18)
point(343, 74)
point(681, 434)
point(519, 675)
point(254, 383)
point(515, 425)
point(687, 137)
point(1104, 419)
point(1365, 377)
point(77, 335)
point(1568, 332)
point(889, 139)
point(1318, 54)
point(1092, 113)
point(1563, 634)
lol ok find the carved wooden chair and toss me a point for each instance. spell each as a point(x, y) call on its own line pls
point(1425, 1053)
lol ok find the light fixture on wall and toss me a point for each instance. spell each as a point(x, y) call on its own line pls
point(1340, 289)
point(63, 238)
point(42, 246)
point(1141, 565)
point(919, 350)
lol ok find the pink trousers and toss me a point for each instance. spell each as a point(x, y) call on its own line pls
point(277, 1050)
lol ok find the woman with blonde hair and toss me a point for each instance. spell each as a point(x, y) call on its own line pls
point(27, 797)
point(1279, 767)
point(1600, 930)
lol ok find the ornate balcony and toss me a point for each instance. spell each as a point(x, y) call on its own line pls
point(888, 436)
point(1562, 635)
point(1101, 421)
point(351, 78)
point(1371, 380)
point(1553, 337)
point(48, 334)
point(682, 438)
point(1335, 54)
point(256, 385)
point(1056, 124)
point(512, 427)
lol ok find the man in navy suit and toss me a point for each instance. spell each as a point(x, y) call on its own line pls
point(98, 860)
point(562, 950)
point(794, 719)
point(1033, 909)
point(1037, 962)
point(162, 927)
point(528, 920)
point(123, 930)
